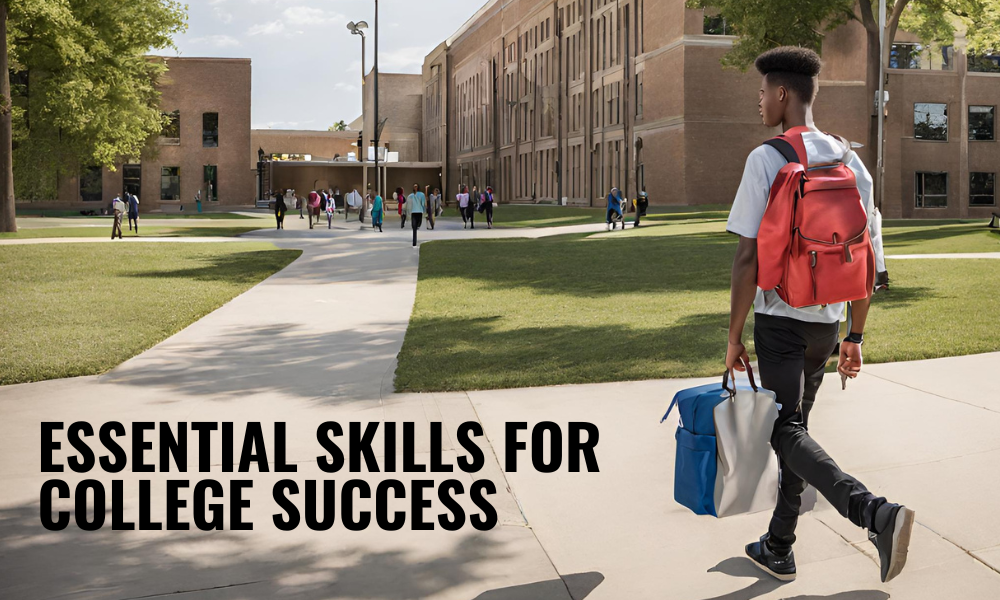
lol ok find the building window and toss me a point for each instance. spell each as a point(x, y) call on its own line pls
point(905, 56)
point(932, 190)
point(170, 183)
point(982, 189)
point(171, 133)
point(210, 130)
point(984, 63)
point(638, 94)
point(91, 184)
point(211, 178)
point(981, 123)
point(930, 121)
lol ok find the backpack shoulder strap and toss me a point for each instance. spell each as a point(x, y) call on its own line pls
point(785, 148)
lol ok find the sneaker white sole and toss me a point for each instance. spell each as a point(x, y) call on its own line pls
point(900, 543)
point(777, 576)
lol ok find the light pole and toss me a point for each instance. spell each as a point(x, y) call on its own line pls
point(359, 29)
point(881, 101)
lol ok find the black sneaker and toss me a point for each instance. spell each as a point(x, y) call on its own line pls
point(894, 524)
point(779, 567)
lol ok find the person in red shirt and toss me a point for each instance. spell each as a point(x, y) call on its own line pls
point(313, 208)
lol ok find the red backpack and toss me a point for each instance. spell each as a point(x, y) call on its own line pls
point(813, 247)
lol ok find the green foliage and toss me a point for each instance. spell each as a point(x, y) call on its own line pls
point(340, 125)
point(767, 24)
point(90, 97)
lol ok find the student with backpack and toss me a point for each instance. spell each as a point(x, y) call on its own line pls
point(809, 242)
point(133, 211)
point(614, 212)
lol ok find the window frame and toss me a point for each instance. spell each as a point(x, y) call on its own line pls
point(175, 122)
point(206, 141)
point(993, 128)
point(163, 169)
point(919, 185)
point(946, 125)
point(993, 183)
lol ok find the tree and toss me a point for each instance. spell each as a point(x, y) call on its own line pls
point(90, 96)
point(340, 125)
point(765, 24)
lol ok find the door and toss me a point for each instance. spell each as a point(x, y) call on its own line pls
point(132, 180)
point(211, 183)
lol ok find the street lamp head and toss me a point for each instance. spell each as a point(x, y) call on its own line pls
point(351, 26)
point(361, 25)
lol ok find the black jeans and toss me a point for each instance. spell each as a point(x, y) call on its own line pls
point(792, 357)
point(489, 214)
point(415, 221)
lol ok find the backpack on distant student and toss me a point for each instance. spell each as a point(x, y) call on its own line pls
point(813, 247)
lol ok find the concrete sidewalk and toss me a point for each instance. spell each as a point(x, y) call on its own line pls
point(925, 434)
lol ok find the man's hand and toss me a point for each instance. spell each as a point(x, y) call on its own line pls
point(850, 360)
point(736, 357)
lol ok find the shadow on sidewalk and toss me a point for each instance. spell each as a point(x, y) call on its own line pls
point(743, 568)
point(580, 585)
point(107, 565)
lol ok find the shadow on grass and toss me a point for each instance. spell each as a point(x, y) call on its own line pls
point(107, 564)
point(239, 267)
point(892, 238)
point(586, 266)
point(471, 353)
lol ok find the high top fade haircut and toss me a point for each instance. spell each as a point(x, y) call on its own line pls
point(792, 67)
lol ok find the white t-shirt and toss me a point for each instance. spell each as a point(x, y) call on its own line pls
point(747, 213)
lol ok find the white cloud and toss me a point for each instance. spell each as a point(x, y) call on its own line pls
point(267, 28)
point(306, 15)
point(281, 124)
point(223, 15)
point(218, 41)
point(354, 67)
point(346, 87)
point(410, 59)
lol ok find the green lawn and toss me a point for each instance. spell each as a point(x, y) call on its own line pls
point(509, 216)
point(80, 309)
point(150, 231)
point(38, 213)
point(650, 303)
point(939, 237)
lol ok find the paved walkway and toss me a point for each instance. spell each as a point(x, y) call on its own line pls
point(922, 433)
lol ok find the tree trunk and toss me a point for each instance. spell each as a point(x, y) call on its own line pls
point(8, 224)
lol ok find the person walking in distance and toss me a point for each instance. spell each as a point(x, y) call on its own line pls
point(614, 212)
point(463, 205)
point(641, 206)
point(474, 198)
point(280, 208)
point(330, 209)
point(378, 212)
point(133, 211)
point(119, 209)
point(433, 207)
point(486, 205)
point(416, 206)
point(400, 206)
point(793, 345)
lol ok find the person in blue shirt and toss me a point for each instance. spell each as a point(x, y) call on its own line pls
point(133, 212)
point(614, 213)
point(378, 212)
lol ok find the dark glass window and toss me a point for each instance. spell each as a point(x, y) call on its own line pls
point(91, 184)
point(930, 121)
point(981, 123)
point(210, 130)
point(172, 130)
point(932, 190)
point(984, 63)
point(170, 183)
point(905, 56)
point(211, 177)
point(982, 189)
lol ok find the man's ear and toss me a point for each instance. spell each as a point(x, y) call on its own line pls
point(782, 94)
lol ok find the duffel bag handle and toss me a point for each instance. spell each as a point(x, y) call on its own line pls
point(728, 375)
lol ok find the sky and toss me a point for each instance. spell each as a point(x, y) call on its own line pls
point(306, 64)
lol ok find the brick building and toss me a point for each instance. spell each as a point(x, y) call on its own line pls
point(550, 99)
point(204, 149)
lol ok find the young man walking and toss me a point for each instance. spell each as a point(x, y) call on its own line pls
point(416, 205)
point(119, 208)
point(133, 211)
point(793, 345)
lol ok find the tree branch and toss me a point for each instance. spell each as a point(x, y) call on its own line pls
point(893, 24)
point(867, 18)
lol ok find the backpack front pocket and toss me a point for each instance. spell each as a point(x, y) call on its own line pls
point(695, 469)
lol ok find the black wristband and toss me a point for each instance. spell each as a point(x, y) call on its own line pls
point(855, 338)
